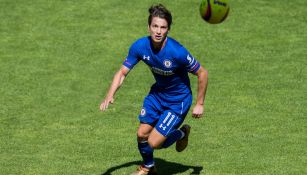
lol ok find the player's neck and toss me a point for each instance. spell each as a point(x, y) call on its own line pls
point(159, 46)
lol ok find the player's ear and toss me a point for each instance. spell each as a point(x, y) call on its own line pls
point(167, 32)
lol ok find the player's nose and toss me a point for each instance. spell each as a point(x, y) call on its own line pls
point(158, 30)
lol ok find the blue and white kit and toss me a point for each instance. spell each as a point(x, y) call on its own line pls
point(170, 97)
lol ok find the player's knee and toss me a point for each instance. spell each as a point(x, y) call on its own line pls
point(142, 136)
point(154, 144)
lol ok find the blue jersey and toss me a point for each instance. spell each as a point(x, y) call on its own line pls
point(170, 67)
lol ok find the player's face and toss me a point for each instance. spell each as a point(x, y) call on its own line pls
point(158, 30)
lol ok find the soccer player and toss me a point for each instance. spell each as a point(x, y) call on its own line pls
point(170, 97)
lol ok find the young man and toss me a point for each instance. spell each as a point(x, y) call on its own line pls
point(169, 100)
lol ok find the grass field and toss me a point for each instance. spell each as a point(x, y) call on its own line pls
point(57, 59)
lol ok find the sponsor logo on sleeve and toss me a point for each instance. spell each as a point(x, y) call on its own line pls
point(190, 59)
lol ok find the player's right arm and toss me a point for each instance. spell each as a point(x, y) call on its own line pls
point(131, 60)
point(116, 83)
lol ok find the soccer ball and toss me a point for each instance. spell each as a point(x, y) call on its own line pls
point(214, 11)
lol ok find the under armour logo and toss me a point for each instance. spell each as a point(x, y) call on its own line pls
point(146, 57)
point(163, 127)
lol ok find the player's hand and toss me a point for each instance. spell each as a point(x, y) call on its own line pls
point(198, 111)
point(105, 104)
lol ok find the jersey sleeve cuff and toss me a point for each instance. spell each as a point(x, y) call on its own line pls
point(195, 68)
point(127, 64)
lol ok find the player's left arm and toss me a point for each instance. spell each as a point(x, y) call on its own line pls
point(202, 75)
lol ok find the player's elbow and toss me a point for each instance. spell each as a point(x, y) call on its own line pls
point(202, 73)
point(205, 72)
point(119, 77)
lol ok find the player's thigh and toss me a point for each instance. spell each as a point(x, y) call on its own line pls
point(169, 121)
point(150, 111)
point(156, 139)
point(144, 131)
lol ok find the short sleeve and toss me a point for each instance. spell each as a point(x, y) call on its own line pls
point(132, 59)
point(188, 61)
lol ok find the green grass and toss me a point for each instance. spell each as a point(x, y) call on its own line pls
point(57, 59)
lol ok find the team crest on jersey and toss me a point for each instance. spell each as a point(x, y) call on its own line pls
point(167, 63)
point(143, 112)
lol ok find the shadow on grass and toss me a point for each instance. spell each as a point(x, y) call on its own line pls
point(163, 167)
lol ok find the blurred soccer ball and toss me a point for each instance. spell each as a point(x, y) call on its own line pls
point(214, 11)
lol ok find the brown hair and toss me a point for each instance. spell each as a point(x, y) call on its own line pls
point(161, 12)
